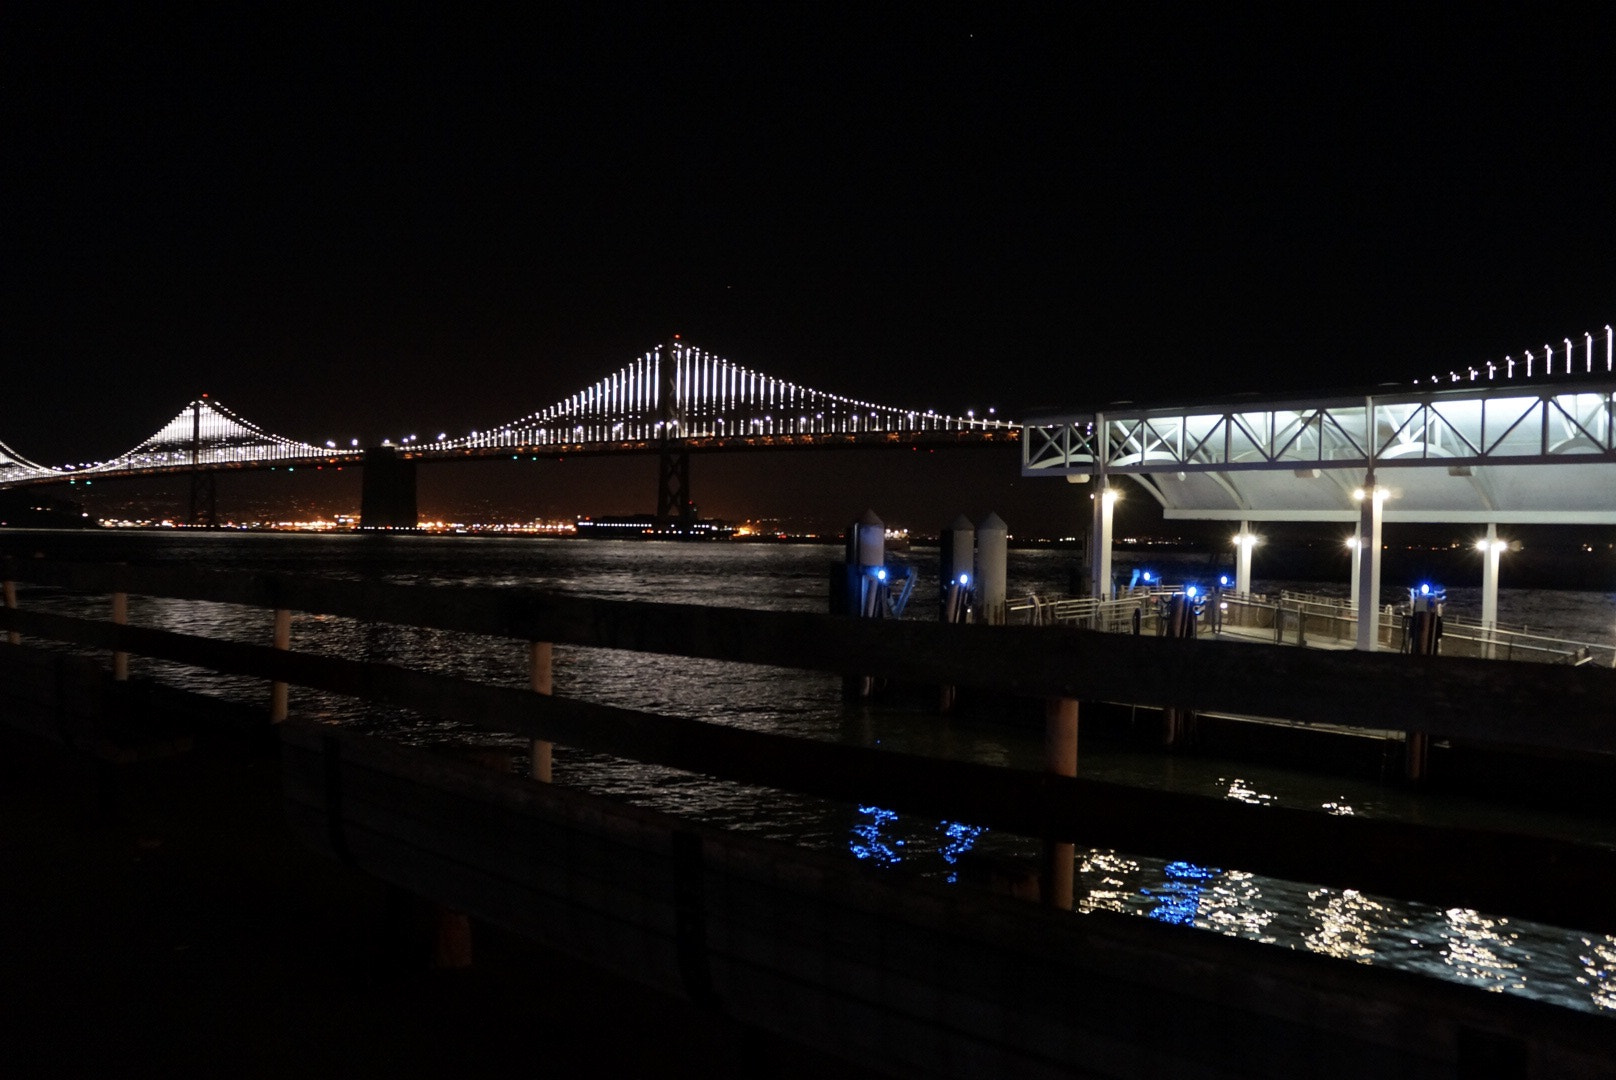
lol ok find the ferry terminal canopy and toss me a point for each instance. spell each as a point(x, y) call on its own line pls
point(1540, 453)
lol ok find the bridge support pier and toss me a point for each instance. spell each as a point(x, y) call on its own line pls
point(674, 506)
point(204, 506)
point(387, 493)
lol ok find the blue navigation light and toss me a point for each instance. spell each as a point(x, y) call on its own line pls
point(1148, 576)
point(1191, 591)
point(881, 573)
point(1223, 579)
point(1425, 589)
point(965, 579)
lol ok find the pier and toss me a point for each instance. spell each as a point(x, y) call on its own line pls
point(1486, 448)
point(902, 975)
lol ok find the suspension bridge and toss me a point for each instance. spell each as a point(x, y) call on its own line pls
point(673, 400)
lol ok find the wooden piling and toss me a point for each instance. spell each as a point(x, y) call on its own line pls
point(1178, 724)
point(541, 680)
point(10, 593)
point(451, 942)
point(120, 617)
point(1060, 759)
point(1423, 633)
point(280, 638)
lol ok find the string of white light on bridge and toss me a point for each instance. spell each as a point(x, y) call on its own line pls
point(14, 468)
point(712, 399)
point(1551, 363)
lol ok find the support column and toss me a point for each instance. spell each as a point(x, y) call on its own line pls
point(1244, 541)
point(1491, 548)
point(387, 491)
point(992, 559)
point(956, 551)
point(204, 504)
point(1367, 585)
point(675, 508)
point(1355, 544)
point(1105, 500)
point(204, 507)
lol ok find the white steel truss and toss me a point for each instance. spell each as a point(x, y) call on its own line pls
point(1472, 452)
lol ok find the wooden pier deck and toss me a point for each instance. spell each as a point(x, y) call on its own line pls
point(162, 921)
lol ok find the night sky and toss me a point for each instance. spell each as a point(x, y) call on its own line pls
point(372, 220)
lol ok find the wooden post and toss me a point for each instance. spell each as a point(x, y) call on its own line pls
point(451, 938)
point(1422, 641)
point(281, 639)
point(541, 681)
point(1060, 758)
point(1178, 724)
point(10, 589)
point(120, 617)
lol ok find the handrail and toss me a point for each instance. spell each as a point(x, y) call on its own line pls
point(1499, 642)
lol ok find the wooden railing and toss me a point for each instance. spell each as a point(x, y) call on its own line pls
point(384, 807)
point(1552, 708)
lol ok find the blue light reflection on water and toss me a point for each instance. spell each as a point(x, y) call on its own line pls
point(1178, 899)
point(876, 841)
point(869, 844)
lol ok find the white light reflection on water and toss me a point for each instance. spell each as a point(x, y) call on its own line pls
point(1599, 970)
point(1504, 955)
point(1478, 947)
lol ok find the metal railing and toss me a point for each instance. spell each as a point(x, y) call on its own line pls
point(1299, 618)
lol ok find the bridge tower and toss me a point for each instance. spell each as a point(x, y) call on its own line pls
point(387, 491)
point(674, 506)
point(204, 509)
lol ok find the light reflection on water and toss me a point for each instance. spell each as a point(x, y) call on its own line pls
point(1494, 953)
